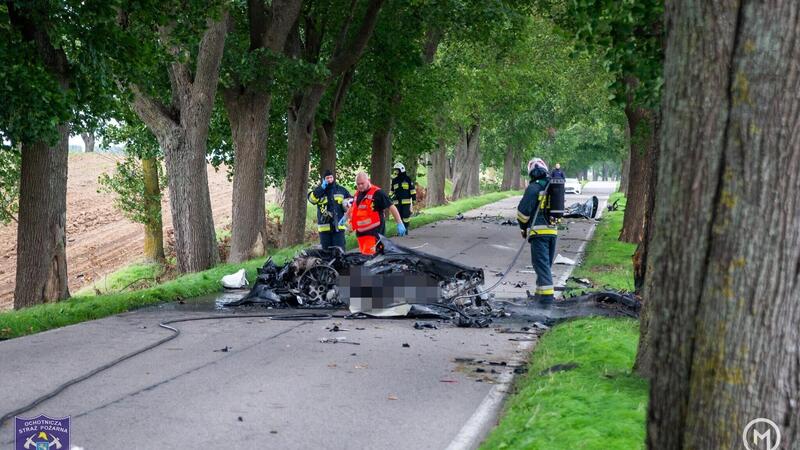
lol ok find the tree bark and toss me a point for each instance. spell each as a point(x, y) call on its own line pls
point(248, 106)
point(41, 232)
point(640, 130)
point(88, 141)
point(510, 169)
point(248, 114)
point(380, 167)
point(182, 131)
point(624, 175)
point(41, 271)
point(436, 175)
point(326, 129)
point(726, 245)
point(466, 182)
point(153, 229)
point(300, 126)
point(641, 264)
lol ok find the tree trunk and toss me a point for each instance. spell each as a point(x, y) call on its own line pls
point(248, 114)
point(726, 292)
point(380, 167)
point(436, 176)
point(326, 141)
point(153, 232)
point(300, 126)
point(466, 182)
point(641, 263)
point(182, 132)
point(41, 232)
point(510, 169)
point(522, 177)
point(624, 175)
point(640, 126)
point(88, 141)
point(326, 129)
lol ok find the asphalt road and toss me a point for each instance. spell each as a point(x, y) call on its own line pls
point(277, 385)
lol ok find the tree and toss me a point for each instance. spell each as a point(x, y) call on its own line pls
point(629, 36)
point(252, 55)
point(318, 21)
point(181, 127)
point(136, 182)
point(54, 79)
point(724, 256)
point(88, 141)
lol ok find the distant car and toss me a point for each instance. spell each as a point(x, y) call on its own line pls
point(572, 186)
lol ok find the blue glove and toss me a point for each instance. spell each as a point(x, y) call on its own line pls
point(401, 229)
point(324, 184)
point(342, 221)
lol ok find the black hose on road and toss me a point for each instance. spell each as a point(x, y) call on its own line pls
point(175, 333)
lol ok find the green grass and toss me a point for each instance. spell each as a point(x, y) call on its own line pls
point(598, 405)
point(86, 307)
point(601, 404)
point(127, 277)
point(607, 262)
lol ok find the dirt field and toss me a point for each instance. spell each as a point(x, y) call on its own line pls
point(99, 239)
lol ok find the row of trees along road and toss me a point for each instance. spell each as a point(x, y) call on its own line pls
point(272, 89)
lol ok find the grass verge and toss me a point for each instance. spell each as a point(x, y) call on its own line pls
point(599, 404)
point(81, 308)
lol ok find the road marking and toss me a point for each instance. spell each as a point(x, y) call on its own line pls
point(485, 417)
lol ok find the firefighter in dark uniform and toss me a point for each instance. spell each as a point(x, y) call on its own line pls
point(330, 200)
point(534, 220)
point(404, 192)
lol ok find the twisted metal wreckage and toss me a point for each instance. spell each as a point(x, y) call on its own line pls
point(400, 281)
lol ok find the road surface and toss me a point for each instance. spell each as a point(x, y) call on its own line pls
point(277, 385)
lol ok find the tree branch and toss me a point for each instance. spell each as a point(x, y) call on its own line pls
point(157, 117)
point(209, 57)
point(350, 55)
point(257, 19)
point(283, 17)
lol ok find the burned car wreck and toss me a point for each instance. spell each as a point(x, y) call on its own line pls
point(397, 281)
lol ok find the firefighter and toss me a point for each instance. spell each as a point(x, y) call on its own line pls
point(367, 214)
point(404, 192)
point(330, 199)
point(534, 220)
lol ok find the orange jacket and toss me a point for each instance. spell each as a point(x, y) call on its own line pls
point(364, 217)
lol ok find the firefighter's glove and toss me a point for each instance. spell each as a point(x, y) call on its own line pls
point(401, 229)
point(524, 234)
point(342, 221)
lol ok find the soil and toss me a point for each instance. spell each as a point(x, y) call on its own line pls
point(99, 239)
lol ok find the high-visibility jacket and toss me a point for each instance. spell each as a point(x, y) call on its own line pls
point(364, 217)
point(329, 206)
point(403, 190)
point(535, 202)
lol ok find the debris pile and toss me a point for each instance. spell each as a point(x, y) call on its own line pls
point(396, 281)
point(585, 210)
